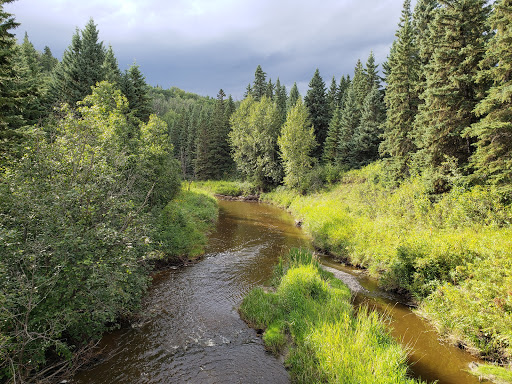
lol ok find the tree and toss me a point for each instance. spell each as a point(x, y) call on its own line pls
point(342, 89)
point(134, 87)
point(220, 161)
point(294, 96)
point(451, 92)
point(367, 136)
point(349, 122)
point(296, 143)
point(111, 71)
point(318, 107)
point(270, 90)
point(330, 154)
point(259, 88)
point(255, 128)
point(48, 62)
point(281, 100)
point(332, 97)
point(10, 118)
point(401, 97)
point(492, 159)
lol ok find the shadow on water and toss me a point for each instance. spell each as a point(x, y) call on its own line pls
point(190, 331)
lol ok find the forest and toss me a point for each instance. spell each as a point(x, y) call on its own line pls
point(415, 154)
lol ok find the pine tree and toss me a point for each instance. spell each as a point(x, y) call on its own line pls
point(493, 157)
point(401, 96)
point(294, 96)
point(451, 92)
point(221, 162)
point(359, 84)
point(259, 88)
point(318, 107)
point(296, 144)
point(92, 56)
point(371, 74)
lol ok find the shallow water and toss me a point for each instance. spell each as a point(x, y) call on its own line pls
point(192, 333)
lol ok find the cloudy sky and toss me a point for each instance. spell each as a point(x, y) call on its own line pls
point(204, 45)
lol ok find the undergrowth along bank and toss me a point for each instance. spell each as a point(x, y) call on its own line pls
point(452, 252)
point(310, 314)
point(225, 188)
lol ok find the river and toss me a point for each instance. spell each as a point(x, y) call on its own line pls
point(190, 331)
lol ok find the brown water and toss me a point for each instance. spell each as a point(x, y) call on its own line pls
point(192, 333)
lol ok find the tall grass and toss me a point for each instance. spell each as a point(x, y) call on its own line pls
point(226, 188)
point(452, 252)
point(311, 311)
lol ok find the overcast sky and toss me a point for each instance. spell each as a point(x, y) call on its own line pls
point(204, 45)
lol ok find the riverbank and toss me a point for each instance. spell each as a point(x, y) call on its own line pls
point(451, 253)
point(310, 318)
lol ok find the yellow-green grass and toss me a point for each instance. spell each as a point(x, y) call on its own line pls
point(452, 252)
point(498, 375)
point(223, 187)
point(311, 313)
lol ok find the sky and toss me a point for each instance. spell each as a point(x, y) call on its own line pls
point(202, 46)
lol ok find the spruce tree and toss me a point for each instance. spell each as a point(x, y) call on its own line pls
point(221, 162)
point(330, 154)
point(371, 74)
point(48, 62)
point(367, 136)
point(342, 89)
point(92, 56)
point(202, 164)
point(359, 85)
point(451, 91)
point(135, 88)
point(281, 99)
point(401, 97)
point(318, 107)
point(259, 88)
point(294, 96)
point(332, 97)
point(111, 71)
point(270, 90)
point(493, 157)
point(349, 122)
point(10, 117)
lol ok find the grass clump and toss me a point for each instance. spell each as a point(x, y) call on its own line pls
point(226, 188)
point(493, 373)
point(451, 252)
point(311, 312)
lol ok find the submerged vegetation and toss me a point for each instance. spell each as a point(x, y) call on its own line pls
point(309, 317)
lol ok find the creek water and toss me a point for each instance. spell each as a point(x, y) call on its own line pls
point(190, 331)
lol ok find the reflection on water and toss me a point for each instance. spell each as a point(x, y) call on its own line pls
point(192, 333)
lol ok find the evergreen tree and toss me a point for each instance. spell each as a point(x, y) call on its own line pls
point(451, 92)
point(371, 74)
point(48, 62)
point(248, 91)
point(359, 84)
point(202, 164)
point(294, 96)
point(259, 88)
point(221, 162)
point(270, 90)
point(367, 136)
point(332, 97)
point(92, 56)
point(111, 71)
point(401, 96)
point(493, 157)
point(349, 122)
point(342, 89)
point(10, 118)
point(134, 87)
point(296, 143)
point(281, 100)
point(318, 107)
point(330, 154)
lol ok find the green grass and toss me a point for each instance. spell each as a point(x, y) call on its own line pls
point(227, 188)
point(182, 226)
point(452, 252)
point(311, 312)
point(493, 373)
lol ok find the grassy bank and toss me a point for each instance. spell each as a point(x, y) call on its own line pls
point(226, 188)
point(311, 315)
point(452, 252)
point(181, 228)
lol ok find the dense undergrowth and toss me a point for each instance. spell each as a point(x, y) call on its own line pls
point(310, 313)
point(452, 252)
point(226, 188)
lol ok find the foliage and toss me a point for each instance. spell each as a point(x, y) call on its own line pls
point(329, 343)
point(226, 188)
point(319, 110)
point(296, 144)
point(452, 253)
point(255, 127)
